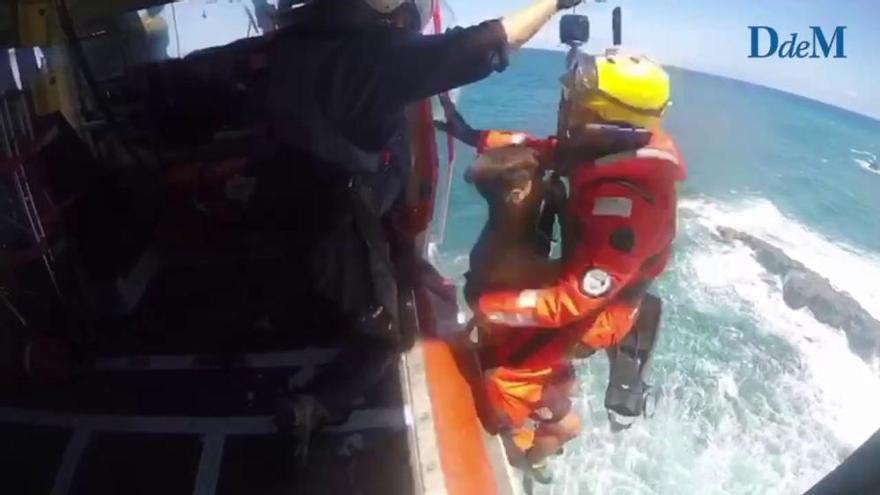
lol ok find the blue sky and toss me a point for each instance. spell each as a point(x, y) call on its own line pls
point(713, 36)
point(706, 35)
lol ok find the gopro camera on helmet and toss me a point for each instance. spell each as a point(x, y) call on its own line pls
point(574, 30)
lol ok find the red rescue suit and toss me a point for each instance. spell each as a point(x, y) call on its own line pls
point(621, 225)
point(622, 214)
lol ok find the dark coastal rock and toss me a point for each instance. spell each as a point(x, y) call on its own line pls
point(804, 288)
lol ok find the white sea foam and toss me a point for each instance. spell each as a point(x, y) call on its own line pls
point(842, 385)
point(865, 159)
point(865, 164)
point(849, 405)
point(869, 154)
point(848, 268)
point(781, 413)
point(757, 398)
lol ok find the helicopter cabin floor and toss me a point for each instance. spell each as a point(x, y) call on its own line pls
point(172, 424)
point(178, 397)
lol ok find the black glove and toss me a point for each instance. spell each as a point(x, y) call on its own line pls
point(455, 124)
point(567, 4)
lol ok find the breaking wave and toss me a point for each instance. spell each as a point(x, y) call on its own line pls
point(866, 160)
point(756, 397)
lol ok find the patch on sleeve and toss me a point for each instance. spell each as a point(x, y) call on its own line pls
point(527, 299)
point(518, 138)
point(613, 207)
point(596, 283)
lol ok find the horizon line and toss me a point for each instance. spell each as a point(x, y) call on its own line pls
point(874, 119)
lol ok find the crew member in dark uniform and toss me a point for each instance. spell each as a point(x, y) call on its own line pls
point(341, 74)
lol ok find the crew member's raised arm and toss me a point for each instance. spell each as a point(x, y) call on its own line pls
point(423, 66)
point(523, 24)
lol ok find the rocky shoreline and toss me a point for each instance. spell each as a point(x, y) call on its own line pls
point(802, 287)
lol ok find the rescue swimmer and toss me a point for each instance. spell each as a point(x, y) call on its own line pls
point(618, 225)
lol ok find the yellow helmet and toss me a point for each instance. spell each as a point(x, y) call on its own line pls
point(617, 88)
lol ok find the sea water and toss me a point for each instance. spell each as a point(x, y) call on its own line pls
point(755, 397)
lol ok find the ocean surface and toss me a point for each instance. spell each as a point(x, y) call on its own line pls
point(756, 398)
